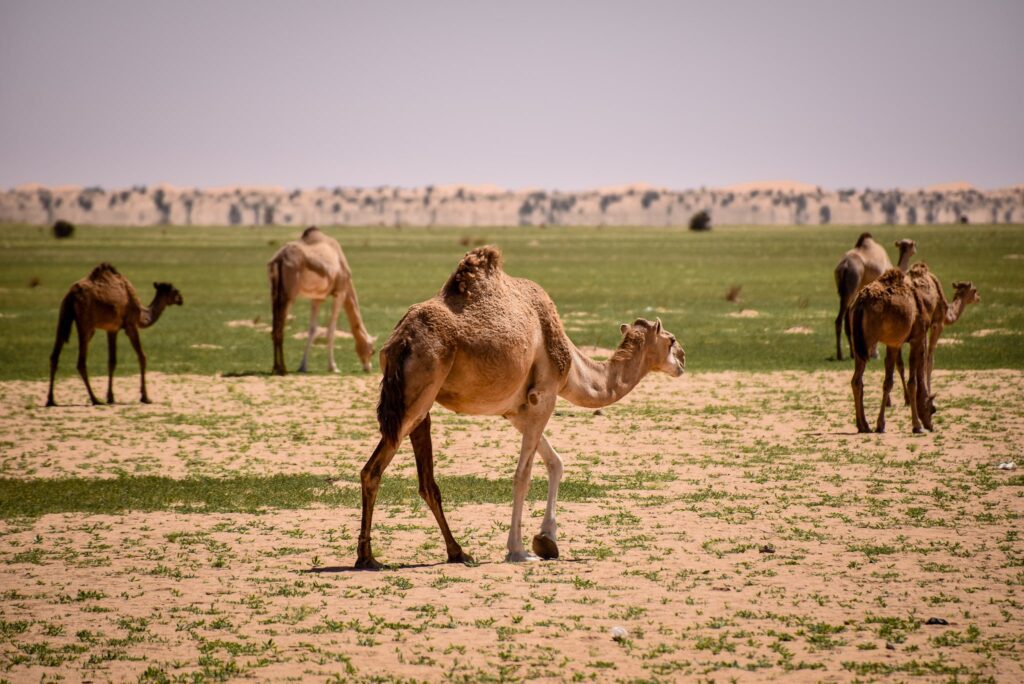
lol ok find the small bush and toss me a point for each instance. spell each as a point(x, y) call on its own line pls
point(700, 221)
point(63, 229)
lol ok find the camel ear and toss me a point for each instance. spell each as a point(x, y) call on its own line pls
point(623, 328)
point(657, 325)
point(155, 286)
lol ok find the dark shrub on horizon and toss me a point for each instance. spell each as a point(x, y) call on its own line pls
point(63, 229)
point(700, 221)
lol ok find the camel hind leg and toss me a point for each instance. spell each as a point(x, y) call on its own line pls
point(891, 354)
point(314, 316)
point(111, 363)
point(133, 337)
point(429, 490)
point(857, 383)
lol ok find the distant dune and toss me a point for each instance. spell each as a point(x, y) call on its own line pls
point(763, 202)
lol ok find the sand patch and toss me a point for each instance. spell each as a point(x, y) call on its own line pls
point(949, 341)
point(256, 324)
point(798, 330)
point(202, 345)
point(987, 332)
point(744, 313)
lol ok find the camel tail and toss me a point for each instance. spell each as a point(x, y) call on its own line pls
point(391, 408)
point(66, 319)
point(860, 343)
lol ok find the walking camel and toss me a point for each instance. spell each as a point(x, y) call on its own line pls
point(898, 309)
point(105, 300)
point(315, 267)
point(491, 344)
point(860, 266)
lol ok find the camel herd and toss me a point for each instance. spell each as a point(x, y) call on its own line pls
point(492, 344)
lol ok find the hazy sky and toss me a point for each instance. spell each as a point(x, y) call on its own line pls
point(553, 94)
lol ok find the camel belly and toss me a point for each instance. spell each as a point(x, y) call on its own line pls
point(486, 388)
point(314, 286)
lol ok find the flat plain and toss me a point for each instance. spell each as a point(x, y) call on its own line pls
point(730, 522)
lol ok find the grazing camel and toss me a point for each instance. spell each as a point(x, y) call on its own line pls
point(106, 300)
point(491, 344)
point(894, 310)
point(860, 266)
point(315, 267)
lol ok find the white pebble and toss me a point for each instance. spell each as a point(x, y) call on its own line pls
point(1009, 465)
point(619, 633)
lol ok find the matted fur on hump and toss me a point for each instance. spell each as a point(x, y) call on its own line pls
point(478, 265)
point(483, 266)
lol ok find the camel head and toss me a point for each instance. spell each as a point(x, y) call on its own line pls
point(906, 245)
point(965, 290)
point(364, 350)
point(168, 293)
point(661, 351)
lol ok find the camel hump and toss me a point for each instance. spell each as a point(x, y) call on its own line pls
point(479, 264)
point(919, 270)
point(893, 278)
point(102, 271)
point(311, 234)
point(863, 237)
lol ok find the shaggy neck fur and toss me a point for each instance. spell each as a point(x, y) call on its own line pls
point(595, 384)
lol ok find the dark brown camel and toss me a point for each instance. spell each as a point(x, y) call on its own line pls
point(105, 300)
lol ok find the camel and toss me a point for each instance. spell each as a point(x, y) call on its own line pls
point(897, 309)
point(105, 300)
point(940, 313)
point(491, 344)
point(315, 267)
point(862, 265)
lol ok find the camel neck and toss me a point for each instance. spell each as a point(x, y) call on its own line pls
point(904, 264)
point(956, 307)
point(151, 313)
point(595, 384)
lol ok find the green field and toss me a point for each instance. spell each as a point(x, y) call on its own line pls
point(598, 277)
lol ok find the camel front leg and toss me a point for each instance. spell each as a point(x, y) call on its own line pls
point(544, 544)
point(429, 490)
point(890, 364)
point(857, 383)
point(332, 326)
point(54, 359)
point(111, 363)
point(84, 336)
point(530, 423)
point(840, 325)
point(314, 315)
point(133, 337)
point(915, 385)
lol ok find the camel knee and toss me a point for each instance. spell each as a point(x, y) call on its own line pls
point(555, 468)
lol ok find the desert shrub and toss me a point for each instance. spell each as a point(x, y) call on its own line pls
point(63, 229)
point(700, 221)
point(234, 215)
point(824, 214)
point(649, 198)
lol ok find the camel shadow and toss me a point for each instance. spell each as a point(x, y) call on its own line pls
point(246, 374)
point(337, 569)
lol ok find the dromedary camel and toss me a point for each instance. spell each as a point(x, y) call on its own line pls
point(894, 310)
point(940, 313)
point(315, 267)
point(860, 266)
point(106, 300)
point(491, 344)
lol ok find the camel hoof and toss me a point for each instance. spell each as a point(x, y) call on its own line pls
point(864, 429)
point(521, 557)
point(368, 564)
point(880, 429)
point(462, 557)
point(280, 371)
point(919, 431)
point(545, 547)
point(95, 402)
point(51, 402)
point(367, 367)
point(145, 400)
point(335, 369)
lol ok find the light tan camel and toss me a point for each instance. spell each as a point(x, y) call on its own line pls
point(315, 267)
point(105, 300)
point(491, 344)
point(862, 265)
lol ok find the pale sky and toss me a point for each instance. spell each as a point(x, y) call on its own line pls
point(559, 95)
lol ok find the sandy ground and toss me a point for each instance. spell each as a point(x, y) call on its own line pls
point(766, 539)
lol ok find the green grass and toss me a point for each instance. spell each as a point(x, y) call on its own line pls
point(249, 494)
point(610, 275)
